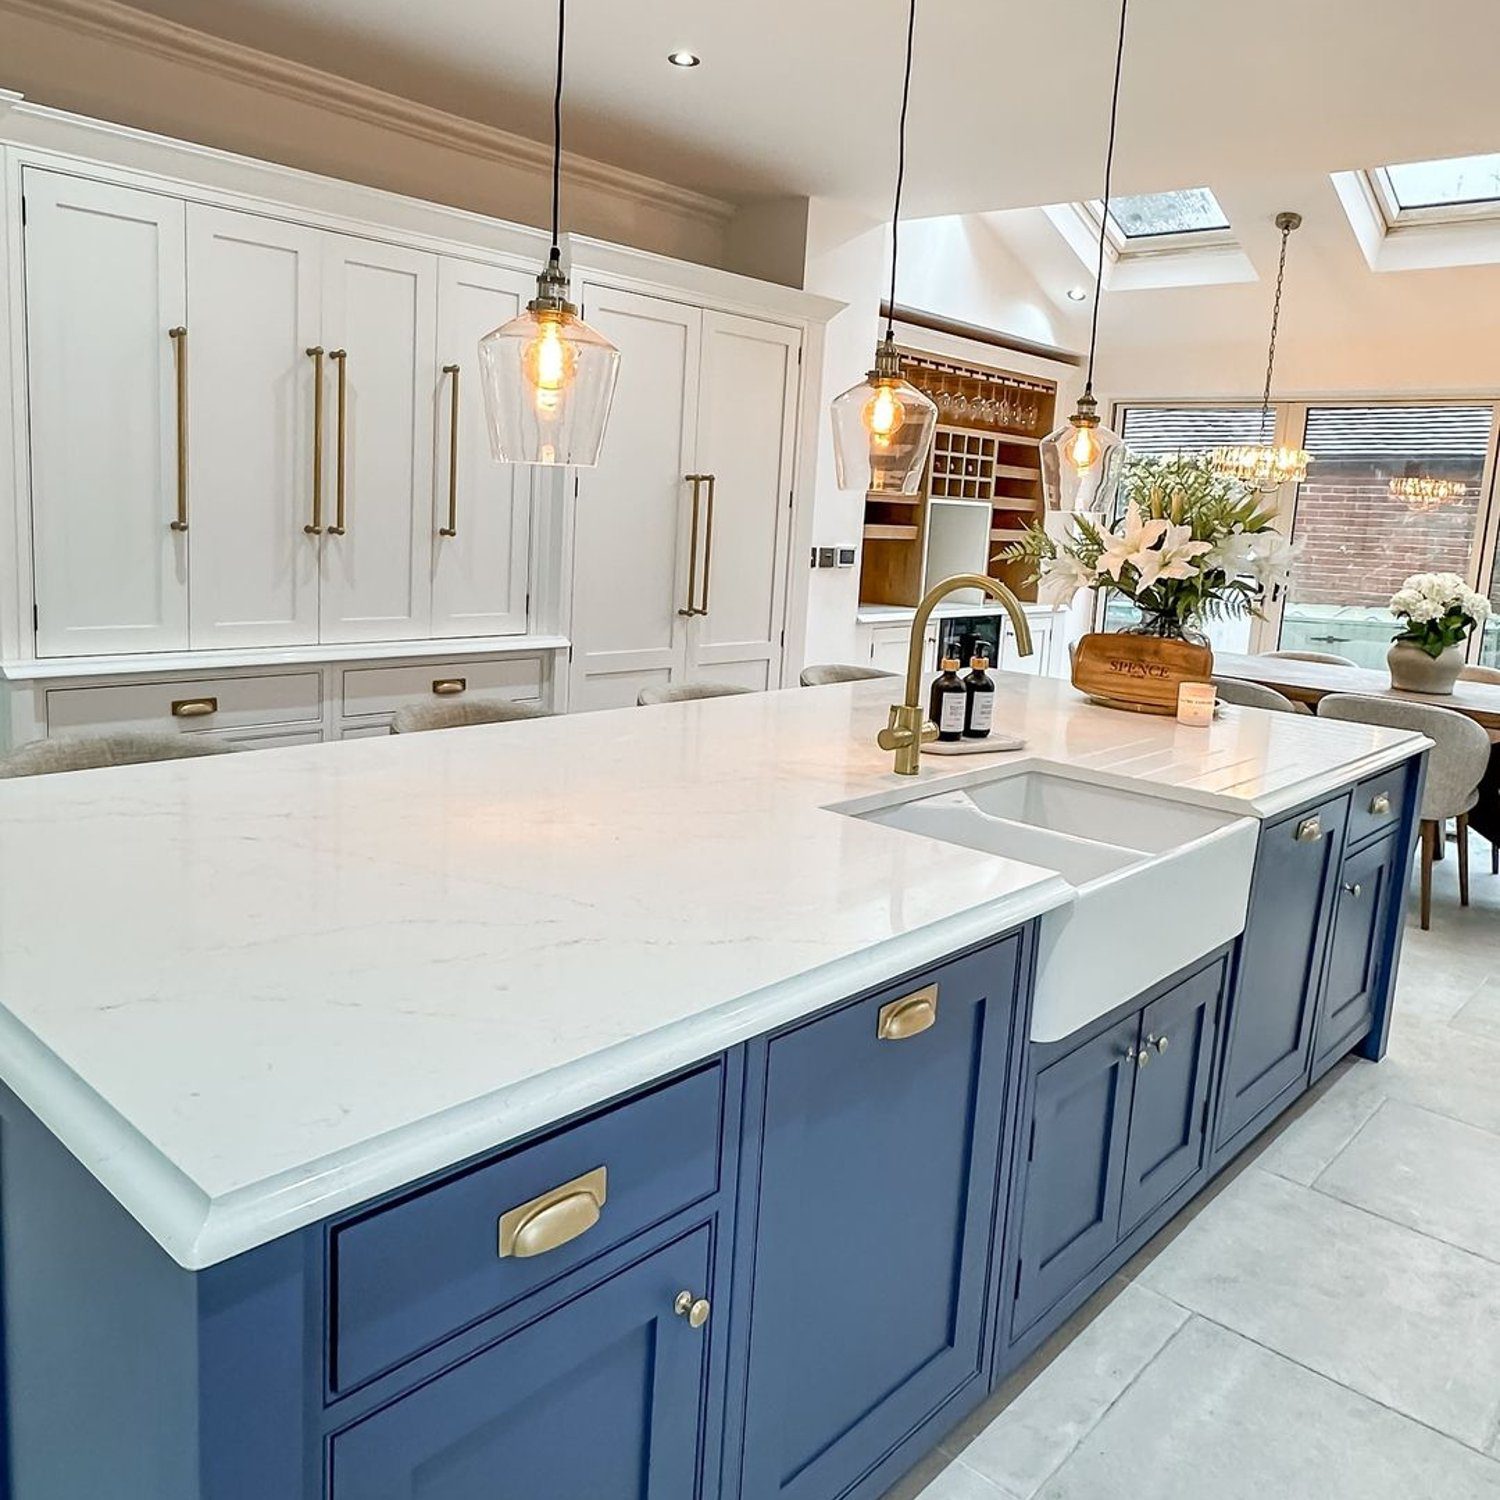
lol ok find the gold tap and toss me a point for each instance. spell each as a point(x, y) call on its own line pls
point(909, 728)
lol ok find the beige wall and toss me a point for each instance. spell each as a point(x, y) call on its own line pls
point(95, 59)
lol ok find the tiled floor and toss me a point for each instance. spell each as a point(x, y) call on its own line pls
point(1327, 1325)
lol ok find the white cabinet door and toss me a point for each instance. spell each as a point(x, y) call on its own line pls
point(379, 324)
point(105, 284)
point(1038, 664)
point(479, 572)
point(254, 309)
point(747, 421)
point(632, 531)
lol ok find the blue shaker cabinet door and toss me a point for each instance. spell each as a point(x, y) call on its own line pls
point(871, 1244)
point(1274, 1006)
point(1168, 1123)
point(601, 1398)
point(1070, 1217)
point(1356, 951)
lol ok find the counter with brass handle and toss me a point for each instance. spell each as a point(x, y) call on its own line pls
point(451, 529)
point(1309, 831)
point(694, 1309)
point(315, 526)
point(450, 687)
point(179, 358)
point(554, 1218)
point(909, 1016)
point(194, 708)
point(691, 609)
point(1380, 804)
point(340, 489)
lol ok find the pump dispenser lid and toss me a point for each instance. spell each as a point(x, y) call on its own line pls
point(949, 664)
point(979, 663)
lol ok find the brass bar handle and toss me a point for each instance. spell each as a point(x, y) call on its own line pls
point(1309, 830)
point(555, 1218)
point(708, 540)
point(194, 708)
point(179, 359)
point(909, 1016)
point(694, 1309)
point(696, 481)
point(1380, 804)
point(341, 358)
point(450, 687)
point(315, 527)
point(451, 529)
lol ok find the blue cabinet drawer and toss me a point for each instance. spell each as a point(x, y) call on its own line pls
point(411, 1273)
point(1379, 802)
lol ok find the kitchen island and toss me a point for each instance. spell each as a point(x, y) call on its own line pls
point(616, 1105)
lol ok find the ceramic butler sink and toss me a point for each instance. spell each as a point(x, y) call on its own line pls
point(1159, 882)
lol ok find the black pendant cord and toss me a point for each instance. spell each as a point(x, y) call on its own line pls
point(1265, 400)
point(562, 26)
point(1109, 170)
point(911, 33)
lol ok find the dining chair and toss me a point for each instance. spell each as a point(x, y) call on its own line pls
point(1479, 674)
point(833, 672)
point(93, 752)
point(1254, 695)
point(1459, 760)
point(421, 717)
point(689, 692)
point(1326, 657)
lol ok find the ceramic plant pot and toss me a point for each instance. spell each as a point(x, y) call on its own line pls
point(1414, 671)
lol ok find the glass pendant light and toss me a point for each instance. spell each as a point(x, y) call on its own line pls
point(882, 427)
point(1082, 459)
point(548, 377)
point(1264, 466)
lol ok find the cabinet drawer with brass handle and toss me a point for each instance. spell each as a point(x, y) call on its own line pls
point(384, 690)
point(189, 705)
point(408, 1274)
point(1378, 801)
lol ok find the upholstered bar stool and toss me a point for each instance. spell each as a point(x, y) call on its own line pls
point(1459, 759)
point(424, 716)
point(1254, 695)
point(834, 672)
point(95, 751)
point(1479, 674)
point(1326, 657)
point(689, 692)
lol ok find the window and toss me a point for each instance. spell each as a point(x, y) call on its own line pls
point(1445, 184)
point(1359, 538)
point(1183, 211)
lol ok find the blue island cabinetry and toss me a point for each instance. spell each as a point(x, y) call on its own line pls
point(782, 1274)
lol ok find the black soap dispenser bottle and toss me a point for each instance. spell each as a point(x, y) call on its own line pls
point(979, 692)
point(949, 700)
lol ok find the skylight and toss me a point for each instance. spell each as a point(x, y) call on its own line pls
point(1182, 211)
point(1450, 183)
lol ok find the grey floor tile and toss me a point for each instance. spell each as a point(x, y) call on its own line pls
point(1427, 1171)
point(1403, 1318)
point(1312, 1140)
point(1216, 1417)
point(926, 1474)
point(959, 1482)
point(1480, 1014)
point(1037, 1431)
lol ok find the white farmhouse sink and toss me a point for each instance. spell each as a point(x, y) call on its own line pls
point(1159, 882)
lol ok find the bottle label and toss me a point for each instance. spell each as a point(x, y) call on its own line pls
point(981, 712)
point(952, 721)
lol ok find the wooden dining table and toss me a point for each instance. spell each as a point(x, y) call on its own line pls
point(1308, 681)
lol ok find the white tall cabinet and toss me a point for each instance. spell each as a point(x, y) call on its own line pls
point(681, 533)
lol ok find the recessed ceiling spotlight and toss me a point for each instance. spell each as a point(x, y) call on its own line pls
point(1077, 294)
point(682, 58)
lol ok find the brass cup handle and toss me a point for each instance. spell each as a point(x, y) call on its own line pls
point(450, 687)
point(315, 526)
point(340, 488)
point(1309, 830)
point(909, 1016)
point(554, 1218)
point(179, 360)
point(1380, 804)
point(451, 529)
point(194, 708)
point(691, 609)
point(694, 1309)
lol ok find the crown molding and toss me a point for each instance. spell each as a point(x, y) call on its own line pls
point(108, 20)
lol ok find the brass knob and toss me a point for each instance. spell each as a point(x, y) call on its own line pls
point(1140, 1059)
point(694, 1309)
point(1159, 1042)
point(1356, 890)
point(1380, 804)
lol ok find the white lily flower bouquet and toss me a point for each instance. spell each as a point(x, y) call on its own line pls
point(1191, 546)
point(1440, 611)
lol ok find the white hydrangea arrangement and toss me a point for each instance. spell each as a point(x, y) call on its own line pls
point(1192, 545)
point(1440, 611)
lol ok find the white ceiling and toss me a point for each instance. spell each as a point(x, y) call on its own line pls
point(1007, 110)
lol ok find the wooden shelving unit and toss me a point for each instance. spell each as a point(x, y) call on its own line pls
point(990, 424)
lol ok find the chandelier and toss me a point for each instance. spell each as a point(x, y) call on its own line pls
point(1265, 466)
point(1421, 492)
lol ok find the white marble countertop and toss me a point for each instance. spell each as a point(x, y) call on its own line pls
point(248, 992)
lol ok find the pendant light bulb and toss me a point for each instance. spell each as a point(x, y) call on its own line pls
point(883, 416)
point(1083, 452)
point(548, 378)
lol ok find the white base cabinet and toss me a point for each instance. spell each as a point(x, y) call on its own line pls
point(883, 643)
